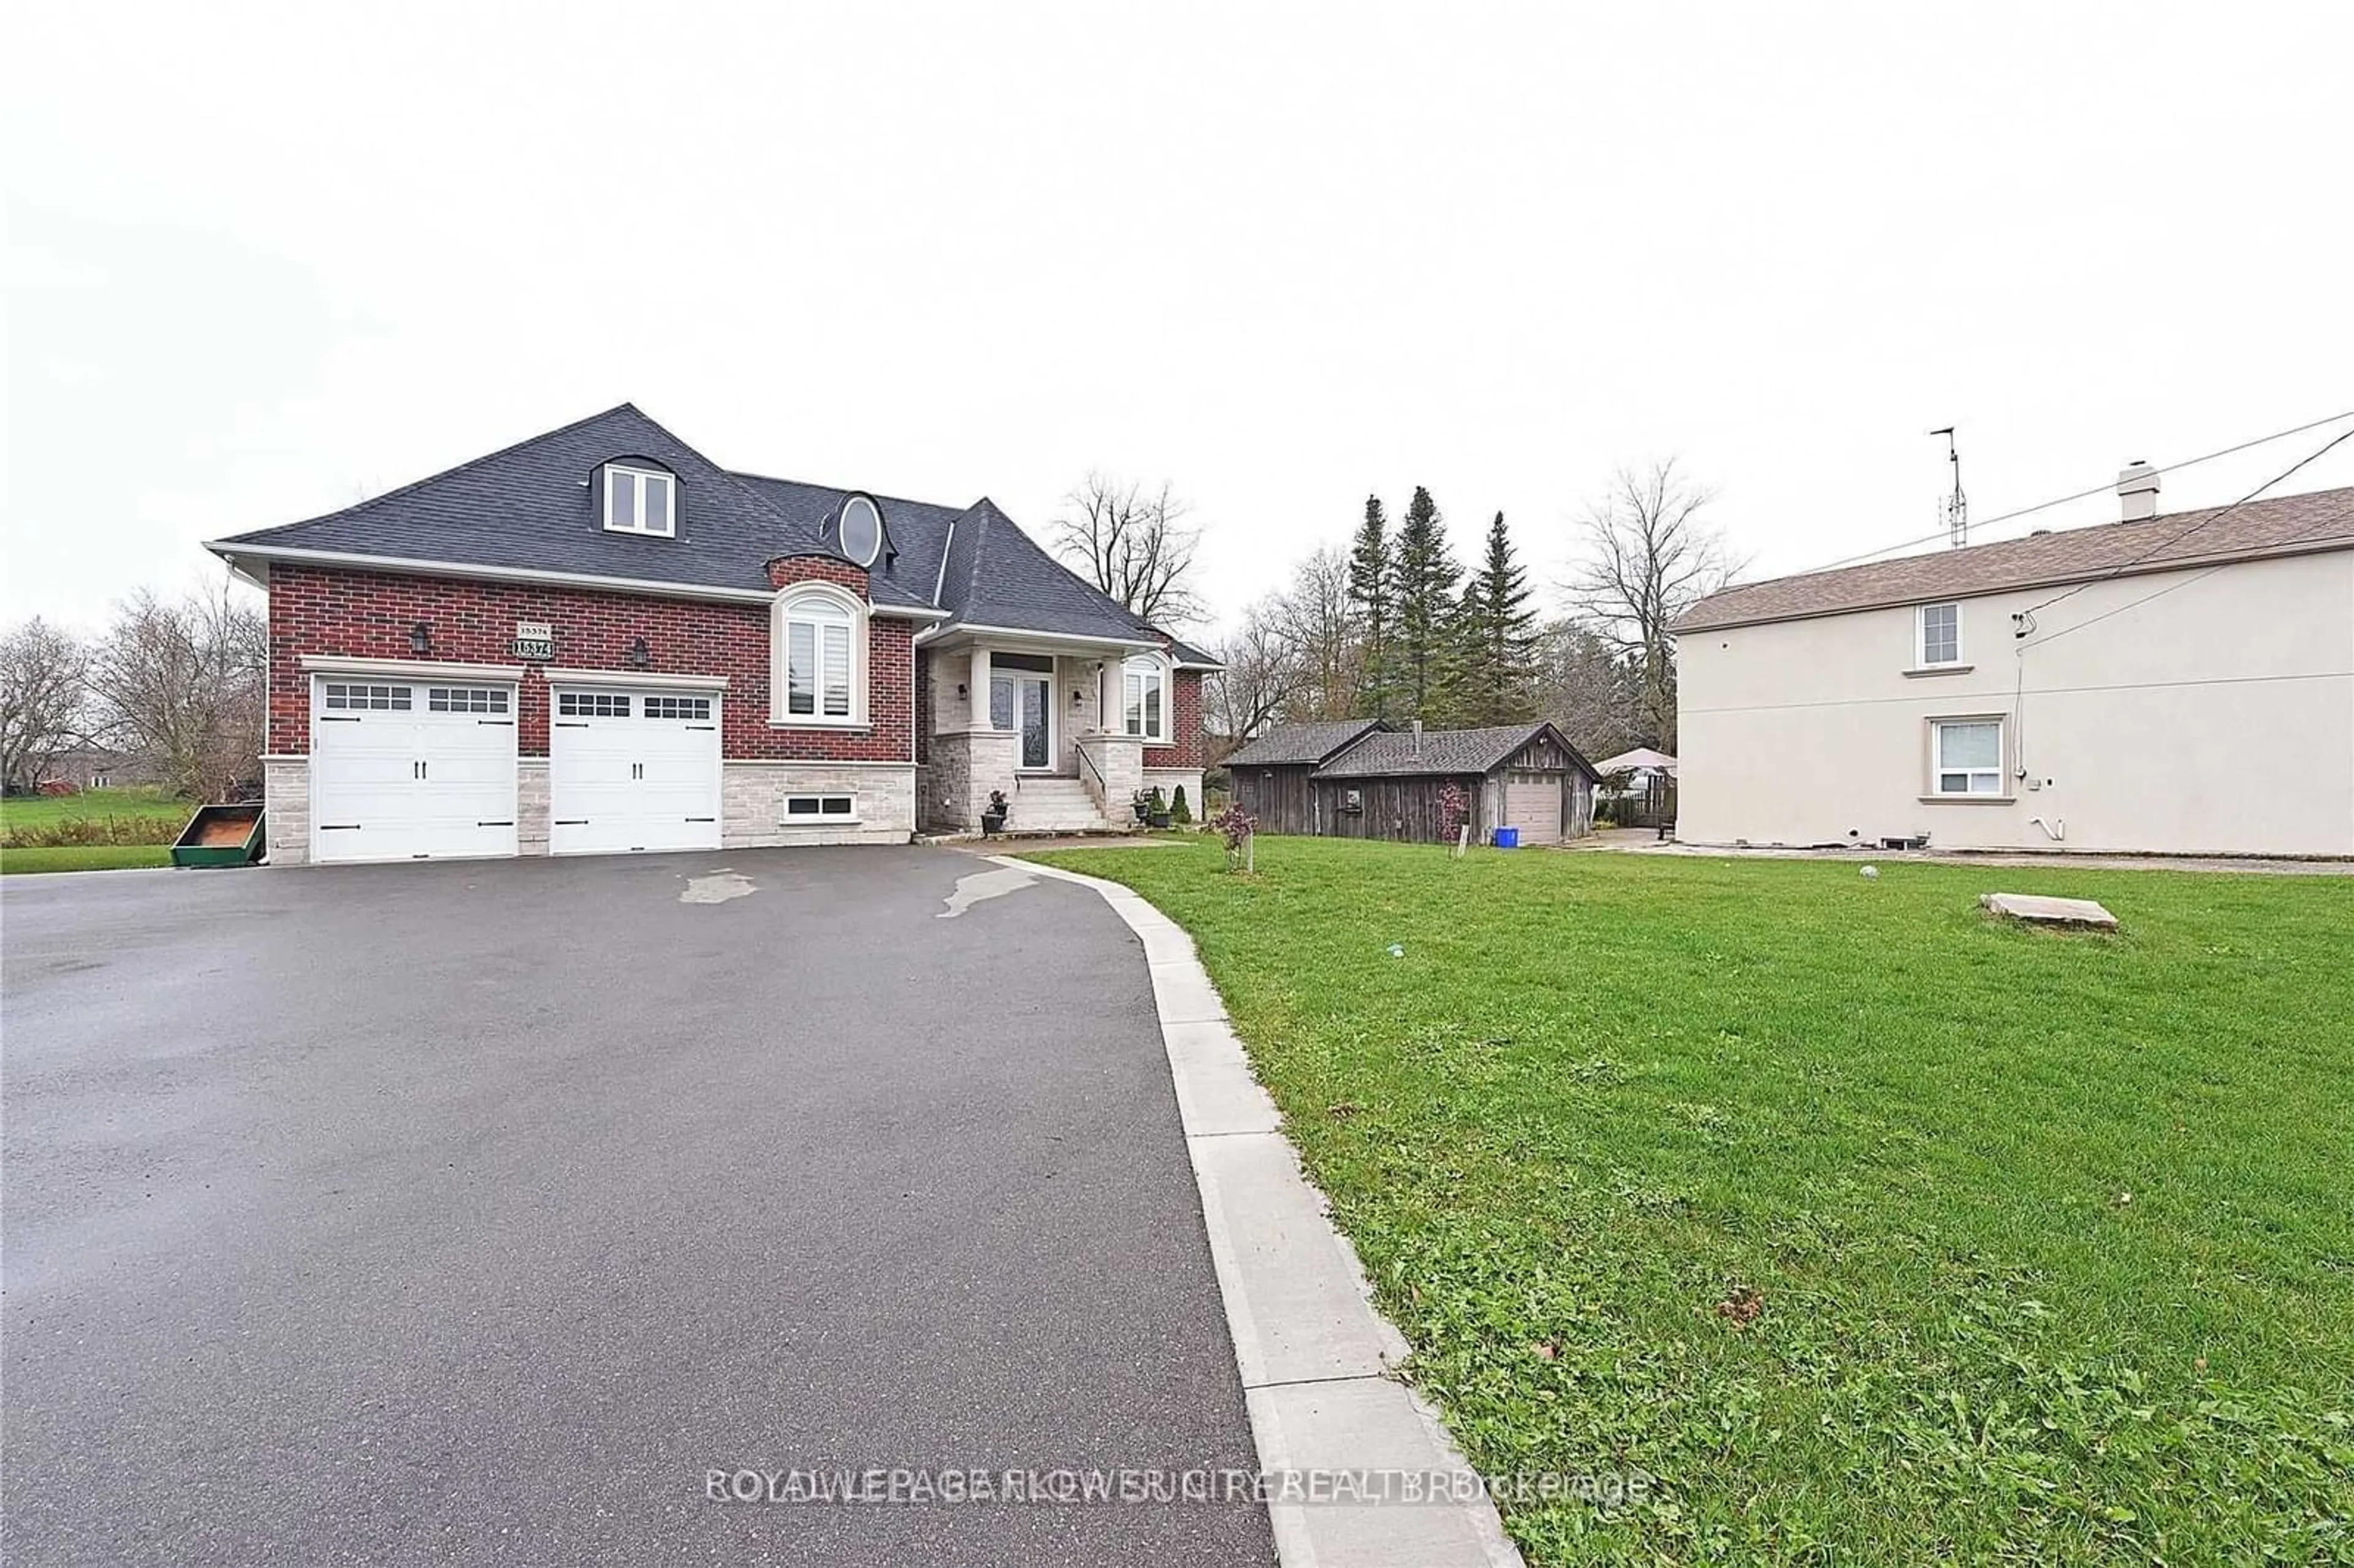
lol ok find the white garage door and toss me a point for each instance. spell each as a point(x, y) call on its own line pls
point(411, 769)
point(1533, 804)
point(632, 770)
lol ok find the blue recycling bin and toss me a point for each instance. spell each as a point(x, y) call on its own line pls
point(1508, 838)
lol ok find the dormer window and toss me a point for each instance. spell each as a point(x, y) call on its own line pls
point(640, 501)
point(861, 535)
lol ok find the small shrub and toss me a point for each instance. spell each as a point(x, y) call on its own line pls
point(1179, 811)
point(1238, 826)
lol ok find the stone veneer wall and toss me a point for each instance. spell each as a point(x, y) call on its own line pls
point(286, 789)
point(752, 802)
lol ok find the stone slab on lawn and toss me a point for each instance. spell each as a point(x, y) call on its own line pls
point(2037, 910)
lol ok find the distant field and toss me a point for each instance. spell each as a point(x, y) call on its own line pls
point(94, 819)
point(82, 857)
point(1879, 1232)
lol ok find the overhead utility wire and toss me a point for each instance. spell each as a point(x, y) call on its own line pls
point(2082, 494)
point(2214, 516)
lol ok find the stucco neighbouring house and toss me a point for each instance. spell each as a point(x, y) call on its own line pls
point(2177, 684)
point(598, 640)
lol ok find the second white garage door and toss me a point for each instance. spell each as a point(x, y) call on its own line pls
point(632, 770)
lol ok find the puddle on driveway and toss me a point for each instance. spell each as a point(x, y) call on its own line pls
point(716, 888)
point(984, 884)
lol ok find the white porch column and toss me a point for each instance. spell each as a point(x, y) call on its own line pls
point(979, 687)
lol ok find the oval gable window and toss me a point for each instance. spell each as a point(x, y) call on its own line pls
point(862, 530)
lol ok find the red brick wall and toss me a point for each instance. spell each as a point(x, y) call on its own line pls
point(368, 615)
point(1186, 710)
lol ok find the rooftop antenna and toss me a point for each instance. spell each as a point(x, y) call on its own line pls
point(1956, 506)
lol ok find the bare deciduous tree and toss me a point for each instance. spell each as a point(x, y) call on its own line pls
point(183, 685)
point(1260, 678)
point(43, 700)
point(1317, 619)
point(1135, 546)
point(1647, 558)
point(1587, 687)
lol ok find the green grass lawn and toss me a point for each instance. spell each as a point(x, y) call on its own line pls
point(2049, 1238)
point(82, 857)
point(121, 816)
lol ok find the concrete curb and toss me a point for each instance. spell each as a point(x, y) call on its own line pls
point(1316, 1358)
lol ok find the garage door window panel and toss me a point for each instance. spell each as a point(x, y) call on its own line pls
point(381, 699)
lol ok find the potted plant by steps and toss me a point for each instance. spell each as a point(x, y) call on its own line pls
point(1140, 803)
point(993, 816)
point(1156, 809)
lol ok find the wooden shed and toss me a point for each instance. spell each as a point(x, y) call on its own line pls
point(1268, 774)
point(1387, 785)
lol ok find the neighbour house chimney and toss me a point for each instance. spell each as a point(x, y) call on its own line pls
point(2137, 490)
point(1416, 752)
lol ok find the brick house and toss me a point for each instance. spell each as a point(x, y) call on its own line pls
point(598, 640)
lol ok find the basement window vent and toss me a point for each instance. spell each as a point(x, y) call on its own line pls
point(805, 811)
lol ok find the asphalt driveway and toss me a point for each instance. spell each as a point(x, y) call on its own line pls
point(474, 1212)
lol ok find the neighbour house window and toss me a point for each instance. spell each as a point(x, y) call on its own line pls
point(1939, 639)
point(806, 810)
point(639, 501)
point(1144, 699)
point(817, 636)
point(1966, 757)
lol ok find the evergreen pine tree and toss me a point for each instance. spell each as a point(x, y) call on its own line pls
point(1498, 638)
point(1423, 582)
point(1370, 593)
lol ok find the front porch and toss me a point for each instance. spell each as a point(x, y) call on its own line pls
point(1026, 716)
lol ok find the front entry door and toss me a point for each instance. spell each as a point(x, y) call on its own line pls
point(1023, 702)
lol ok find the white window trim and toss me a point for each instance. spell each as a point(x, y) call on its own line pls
point(779, 648)
point(637, 477)
point(817, 819)
point(1921, 659)
point(1165, 735)
point(2001, 769)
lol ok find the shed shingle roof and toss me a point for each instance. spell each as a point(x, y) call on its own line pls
point(1298, 743)
point(2322, 519)
point(1392, 752)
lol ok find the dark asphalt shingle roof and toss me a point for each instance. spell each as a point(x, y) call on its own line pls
point(2041, 560)
point(527, 507)
point(1296, 743)
point(1389, 753)
point(998, 575)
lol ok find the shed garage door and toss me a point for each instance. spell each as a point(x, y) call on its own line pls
point(1533, 804)
point(632, 770)
point(411, 769)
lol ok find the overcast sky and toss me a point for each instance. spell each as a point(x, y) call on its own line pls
point(264, 262)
